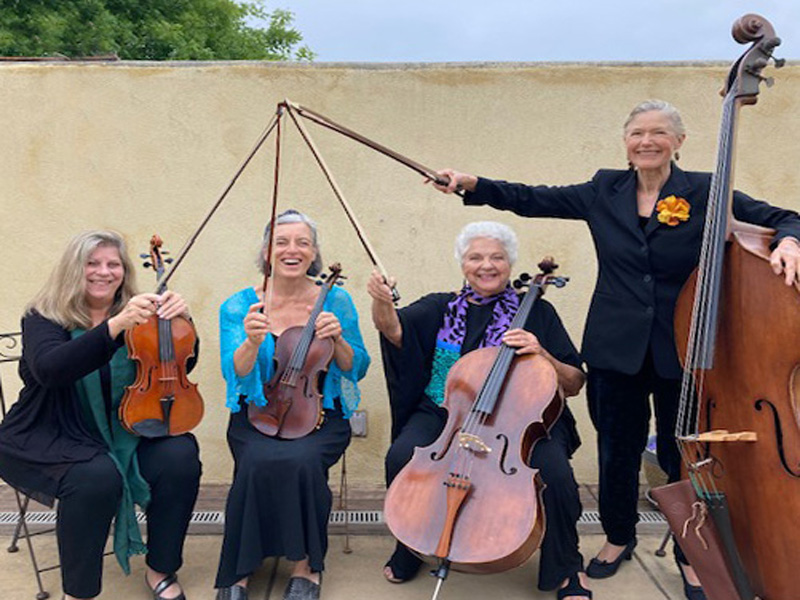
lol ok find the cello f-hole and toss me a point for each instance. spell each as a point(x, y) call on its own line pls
point(503, 454)
point(447, 446)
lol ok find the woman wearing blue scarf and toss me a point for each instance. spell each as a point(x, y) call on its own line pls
point(423, 340)
point(280, 502)
point(63, 439)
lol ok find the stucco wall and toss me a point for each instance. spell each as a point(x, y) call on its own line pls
point(147, 148)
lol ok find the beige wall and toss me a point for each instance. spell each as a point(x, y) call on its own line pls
point(146, 148)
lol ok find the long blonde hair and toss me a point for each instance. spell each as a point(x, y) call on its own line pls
point(63, 297)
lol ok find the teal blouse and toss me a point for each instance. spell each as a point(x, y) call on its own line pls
point(338, 383)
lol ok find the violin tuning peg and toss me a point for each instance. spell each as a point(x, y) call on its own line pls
point(517, 284)
point(144, 255)
point(165, 252)
point(147, 264)
point(323, 276)
point(524, 277)
point(169, 261)
point(318, 282)
point(340, 283)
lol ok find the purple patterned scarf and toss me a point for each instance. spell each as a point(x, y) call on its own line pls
point(451, 334)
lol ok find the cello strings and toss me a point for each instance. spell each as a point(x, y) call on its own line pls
point(486, 400)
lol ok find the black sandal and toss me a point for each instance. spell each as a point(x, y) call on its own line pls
point(573, 588)
point(163, 585)
point(404, 565)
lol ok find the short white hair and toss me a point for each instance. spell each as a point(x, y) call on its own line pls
point(665, 108)
point(488, 229)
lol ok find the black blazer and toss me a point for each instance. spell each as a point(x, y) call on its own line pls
point(640, 271)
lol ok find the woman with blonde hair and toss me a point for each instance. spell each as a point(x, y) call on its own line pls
point(63, 439)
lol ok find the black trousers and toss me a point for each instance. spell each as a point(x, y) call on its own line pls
point(560, 555)
point(88, 498)
point(619, 406)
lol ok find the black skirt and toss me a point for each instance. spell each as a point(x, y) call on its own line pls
point(279, 502)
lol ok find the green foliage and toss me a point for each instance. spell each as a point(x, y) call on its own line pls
point(148, 30)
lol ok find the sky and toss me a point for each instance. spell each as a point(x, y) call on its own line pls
point(533, 30)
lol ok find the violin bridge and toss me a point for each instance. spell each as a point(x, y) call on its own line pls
point(470, 441)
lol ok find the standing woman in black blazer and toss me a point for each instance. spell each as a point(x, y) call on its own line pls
point(647, 224)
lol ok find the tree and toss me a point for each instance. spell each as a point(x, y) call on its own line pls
point(148, 30)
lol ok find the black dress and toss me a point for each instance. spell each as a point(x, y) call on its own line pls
point(279, 502)
point(417, 421)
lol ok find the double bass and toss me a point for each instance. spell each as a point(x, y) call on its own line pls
point(469, 500)
point(162, 401)
point(737, 329)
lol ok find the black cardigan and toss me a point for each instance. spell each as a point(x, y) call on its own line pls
point(44, 432)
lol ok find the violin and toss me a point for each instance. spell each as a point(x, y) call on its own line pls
point(294, 401)
point(469, 500)
point(162, 401)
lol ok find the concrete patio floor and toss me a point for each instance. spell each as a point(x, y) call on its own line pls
point(353, 576)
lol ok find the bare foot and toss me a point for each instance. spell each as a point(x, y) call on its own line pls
point(691, 576)
point(389, 575)
point(301, 569)
point(584, 583)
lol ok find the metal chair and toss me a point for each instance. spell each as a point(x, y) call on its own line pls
point(11, 352)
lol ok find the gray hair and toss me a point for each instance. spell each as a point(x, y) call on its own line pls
point(489, 229)
point(292, 216)
point(663, 107)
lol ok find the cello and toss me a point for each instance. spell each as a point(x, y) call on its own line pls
point(294, 401)
point(469, 500)
point(162, 401)
point(737, 328)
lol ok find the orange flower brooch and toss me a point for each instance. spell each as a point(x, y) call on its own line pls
point(672, 210)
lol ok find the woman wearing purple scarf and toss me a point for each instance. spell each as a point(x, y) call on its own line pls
point(420, 343)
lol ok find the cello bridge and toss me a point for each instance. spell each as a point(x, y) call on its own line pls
point(470, 441)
